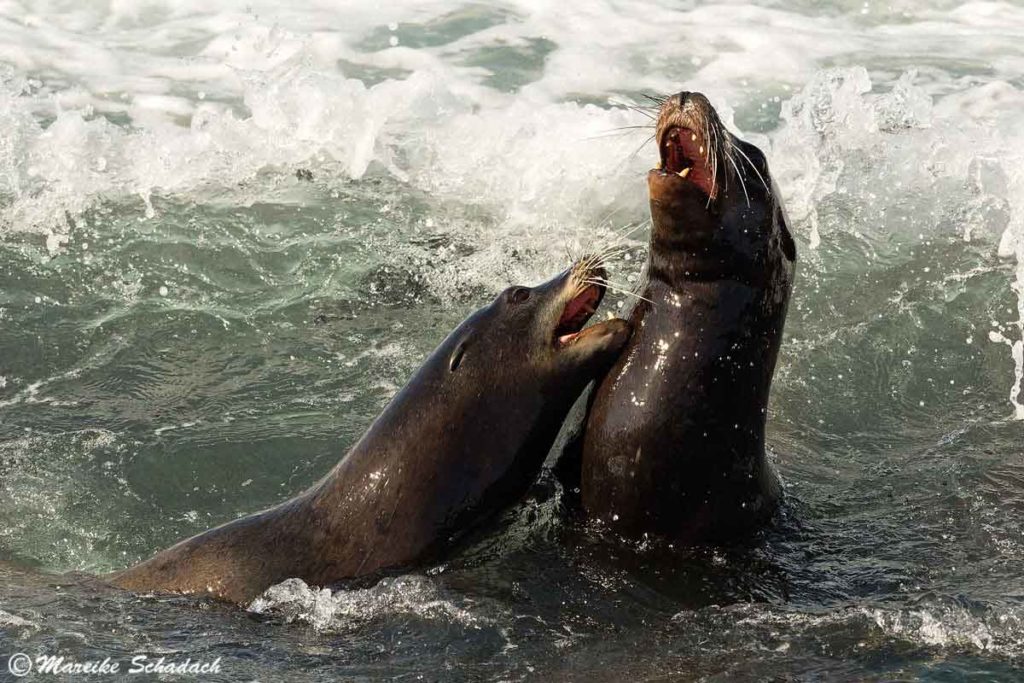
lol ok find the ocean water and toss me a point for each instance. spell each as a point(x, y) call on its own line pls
point(229, 232)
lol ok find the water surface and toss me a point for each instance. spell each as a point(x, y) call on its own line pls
point(229, 234)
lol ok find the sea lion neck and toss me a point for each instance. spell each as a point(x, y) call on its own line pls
point(696, 246)
point(674, 443)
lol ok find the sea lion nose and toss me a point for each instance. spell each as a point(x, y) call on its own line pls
point(677, 101)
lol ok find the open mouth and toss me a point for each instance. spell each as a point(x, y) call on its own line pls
point(577, 312)
point(684, 153)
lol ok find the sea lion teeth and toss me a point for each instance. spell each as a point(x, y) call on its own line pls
point(390, 504)
point(658, 166)
point(664, 451)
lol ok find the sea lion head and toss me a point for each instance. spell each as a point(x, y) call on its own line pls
point(714, 205)
point(538, 332)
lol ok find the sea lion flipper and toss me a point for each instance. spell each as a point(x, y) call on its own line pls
point(569, 461)
point(567, 470)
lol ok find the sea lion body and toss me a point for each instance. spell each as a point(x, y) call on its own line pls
point(674, 443)
point(462, 440)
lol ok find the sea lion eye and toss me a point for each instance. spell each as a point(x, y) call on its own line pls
point(518, 295)
point(456, 359)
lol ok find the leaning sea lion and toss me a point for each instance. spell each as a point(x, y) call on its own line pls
point(462, 440)
point(674, 443)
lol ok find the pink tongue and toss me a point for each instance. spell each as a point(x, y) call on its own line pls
point(566, 338)
point(584, 302)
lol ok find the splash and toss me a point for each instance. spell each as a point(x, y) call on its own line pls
point(903, 167)
point(410, 594)
point(955, 627)
point(941, 624)
point(51, 176)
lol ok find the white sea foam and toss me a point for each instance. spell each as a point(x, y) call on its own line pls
point(942, 624)
point(410, 594)
point(126, 102)
point(954, 627)
point(13, 621)
point(215, 96)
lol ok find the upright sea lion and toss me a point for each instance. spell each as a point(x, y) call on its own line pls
point(674, 442)
point(465, 438)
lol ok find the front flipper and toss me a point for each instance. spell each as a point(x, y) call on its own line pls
point(568, 450)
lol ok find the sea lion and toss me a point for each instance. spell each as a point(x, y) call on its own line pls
point(462, 440)
point(674, 443)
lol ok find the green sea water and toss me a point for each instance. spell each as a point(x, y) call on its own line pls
point(229, 235)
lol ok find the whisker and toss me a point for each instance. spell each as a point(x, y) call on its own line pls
point(612, 248)
point(623, 238)
point(714, 159)
point(620, 289)
point(617, 245)
point(754, 168)
point(740, 176)
point(610, 134)
point(642, 145)
point(612, 254)
point(719, 151)
point(646, 111)
point(647, 126)
point(607, 217)
point(605, 281)
point(597, 260)
point(618, 131)
point(614, 286)
point(569, 254)
point(630, 228)
point(586, 264)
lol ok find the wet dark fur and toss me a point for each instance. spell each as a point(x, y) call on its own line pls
point(674, 443)
point(464, 439)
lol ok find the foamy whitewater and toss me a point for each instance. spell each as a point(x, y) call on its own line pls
point(229, 232)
